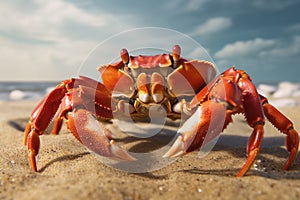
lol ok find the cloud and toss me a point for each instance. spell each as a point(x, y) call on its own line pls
point(242, 48)
point(213, 25)
point(21, 61)
point(46, 20)
point(184, 6)
point(284, 50)
point(193, 5)
point(199, 52)
point(274, 5)
point(295, 27)
point(49, 38)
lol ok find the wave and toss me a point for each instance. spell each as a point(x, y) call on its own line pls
point(281, 94)
point(24, 90)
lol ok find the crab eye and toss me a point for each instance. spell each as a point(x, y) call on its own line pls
point(176, 52)
point(124, 56)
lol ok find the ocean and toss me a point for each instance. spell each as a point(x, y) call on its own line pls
point(282, 94)
point(13, 91)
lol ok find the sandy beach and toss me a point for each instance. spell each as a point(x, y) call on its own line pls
point(68, 171)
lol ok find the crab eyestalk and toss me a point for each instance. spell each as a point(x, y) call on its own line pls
point(176, 51)
point(125, 58)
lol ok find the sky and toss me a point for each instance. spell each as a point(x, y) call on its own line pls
point(49, 40)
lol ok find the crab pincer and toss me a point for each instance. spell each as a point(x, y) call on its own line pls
point(92, 134)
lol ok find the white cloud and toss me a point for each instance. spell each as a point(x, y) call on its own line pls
point(284, 50)
point(46, 40)
point(274, 5)
point(39, 62)
point(193, 5)
point(184, 5)
point(242, 48)
point(213, 25)
point(295, 27)
point(46, 20)
point(198, 53)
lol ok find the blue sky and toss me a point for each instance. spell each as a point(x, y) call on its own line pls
point(48, 40)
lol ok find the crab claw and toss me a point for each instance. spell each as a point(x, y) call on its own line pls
point(92, 134)
point(177, 148)
point(203, 126)
point(187, 134)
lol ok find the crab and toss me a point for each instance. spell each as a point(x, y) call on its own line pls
point(184, 89)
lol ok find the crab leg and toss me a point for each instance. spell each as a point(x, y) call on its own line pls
point(45, 111)
point(255, 118)
point(40, 119)
point(284, 125)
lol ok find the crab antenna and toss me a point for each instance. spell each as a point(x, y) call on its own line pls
point(124, 56)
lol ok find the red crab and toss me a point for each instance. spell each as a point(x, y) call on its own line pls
point(136, 83)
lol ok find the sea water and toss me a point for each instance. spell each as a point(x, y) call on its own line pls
point(13, 91)
point(282, 94)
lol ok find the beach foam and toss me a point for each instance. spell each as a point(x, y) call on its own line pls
point(281, 95)
point(16, 95)
point(266, 90)
point(286, 89)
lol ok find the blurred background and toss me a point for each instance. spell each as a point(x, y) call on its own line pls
point(48, 40)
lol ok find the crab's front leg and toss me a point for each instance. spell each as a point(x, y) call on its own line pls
point(212, 108)
point(80, 101)
point(228, 94)
point(80, 109)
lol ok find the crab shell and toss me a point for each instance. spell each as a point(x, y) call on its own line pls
point(154, 78)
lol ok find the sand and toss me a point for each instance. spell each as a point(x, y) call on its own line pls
point(67, 170)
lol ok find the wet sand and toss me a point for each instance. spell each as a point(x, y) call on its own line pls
point(67, 170)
